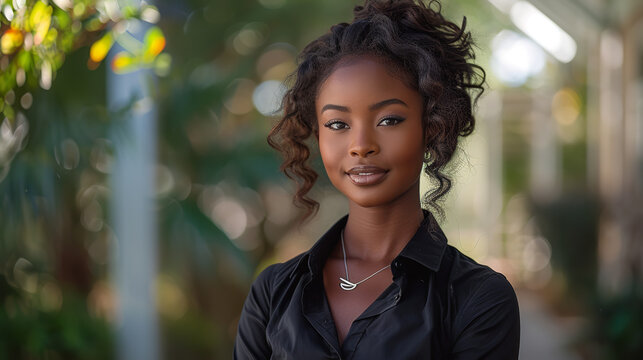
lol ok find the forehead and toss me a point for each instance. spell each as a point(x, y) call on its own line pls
point(365, 77)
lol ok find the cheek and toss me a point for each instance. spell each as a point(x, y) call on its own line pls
point(330, 154)
point(410, 156)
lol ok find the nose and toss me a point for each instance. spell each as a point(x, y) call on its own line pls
point(363, 143)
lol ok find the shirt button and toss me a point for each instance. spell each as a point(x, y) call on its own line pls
point(397, 297)
point(396, 264)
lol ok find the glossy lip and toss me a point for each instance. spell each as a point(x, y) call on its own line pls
point(366, 175)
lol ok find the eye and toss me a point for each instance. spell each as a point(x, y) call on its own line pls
point(390, 121)
point(336, 125)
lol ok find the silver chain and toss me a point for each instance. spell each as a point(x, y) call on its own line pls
point(345, 284)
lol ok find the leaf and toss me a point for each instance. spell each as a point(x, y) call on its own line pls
point(123, 62)
point(154, 43)
point(162, 64)
point(51, 36)
point(40, 20)
point(24, 60)
point(129, 11)
point(100, 48)
point(62, 18)
point(11, 40)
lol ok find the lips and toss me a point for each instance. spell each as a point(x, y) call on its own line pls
point(366, 175)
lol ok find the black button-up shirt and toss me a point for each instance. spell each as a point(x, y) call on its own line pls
point(440, 305)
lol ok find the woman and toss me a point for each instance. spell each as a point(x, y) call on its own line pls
point(382, 96)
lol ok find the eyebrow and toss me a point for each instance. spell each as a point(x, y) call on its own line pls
point(373, 107)
point(335, 107)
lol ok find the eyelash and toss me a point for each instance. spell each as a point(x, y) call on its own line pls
point(395, 119)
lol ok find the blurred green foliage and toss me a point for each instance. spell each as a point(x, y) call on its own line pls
point(54, 160)
point(570, 223)
point(55, 234)
point(615, 331)
point(31, 332)
point(35, 37)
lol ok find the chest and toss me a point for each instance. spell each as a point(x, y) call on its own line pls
point(318, 321)
point(347, 305)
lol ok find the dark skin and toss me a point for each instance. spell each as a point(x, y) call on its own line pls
point(372, 143)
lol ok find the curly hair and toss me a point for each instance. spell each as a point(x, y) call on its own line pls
point(435, 57)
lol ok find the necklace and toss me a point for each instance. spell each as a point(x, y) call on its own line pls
point(345, 284)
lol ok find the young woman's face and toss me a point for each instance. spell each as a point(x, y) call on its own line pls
point(371, 137)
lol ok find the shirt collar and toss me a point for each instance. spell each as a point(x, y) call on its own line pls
point(428, 244)
point(426, 247)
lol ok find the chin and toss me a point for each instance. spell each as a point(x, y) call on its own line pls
point(379, 196)
point(372, 200)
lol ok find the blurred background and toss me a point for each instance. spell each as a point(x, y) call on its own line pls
point(138, 196)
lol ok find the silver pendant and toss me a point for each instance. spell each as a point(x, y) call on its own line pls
point(346, 285)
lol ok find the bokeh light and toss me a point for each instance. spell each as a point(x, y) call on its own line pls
point(539, 28)
point(515, 58)
point(239, 99)
point(267, 97)
point(543, 30)
point(230, 215)
point(172, 301)
point(248, 38)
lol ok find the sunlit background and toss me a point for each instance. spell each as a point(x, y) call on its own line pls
point(138, 196)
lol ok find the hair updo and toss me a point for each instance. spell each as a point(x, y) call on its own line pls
point(434, 57)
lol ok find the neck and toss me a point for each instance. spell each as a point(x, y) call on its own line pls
point(378, 234)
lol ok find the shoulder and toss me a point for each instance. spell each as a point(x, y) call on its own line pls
point(276, 274)
point(469, 277)
point(258, 309)
point(270, 281)
point(486, 319)
point(480, 293)
point(462, 268)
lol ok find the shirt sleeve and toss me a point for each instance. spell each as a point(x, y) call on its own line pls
point(488, 327)
point(251, 342)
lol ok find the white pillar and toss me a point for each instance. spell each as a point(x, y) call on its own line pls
point(134, 256)
point(490, 124)
point(611, 244)
point(545, 174)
